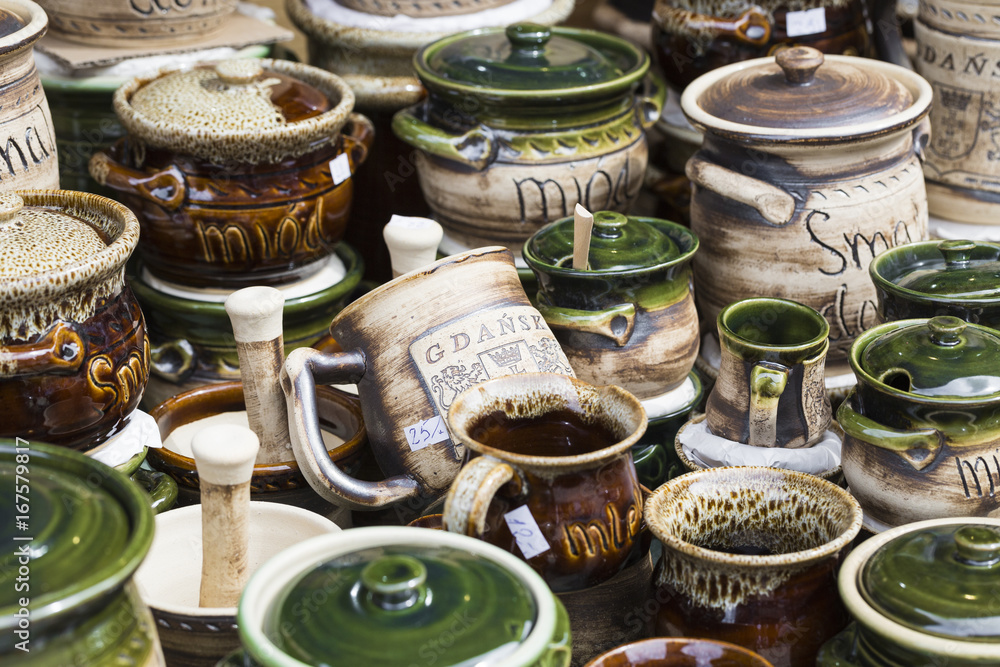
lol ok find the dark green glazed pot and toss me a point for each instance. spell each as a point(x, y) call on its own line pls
point(89, 527)
point(922, 594)
point(922, 427)
point(380, 596)
point(628, 318)
point(959, 278)
point(655, 458)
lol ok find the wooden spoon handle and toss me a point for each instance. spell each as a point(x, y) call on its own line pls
point(412, 242)
point(583, 225)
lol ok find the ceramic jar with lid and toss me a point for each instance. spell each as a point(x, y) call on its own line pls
point(88, 529)
point(922, 594)
point(239, 170)
point(922, 434)
point(629, 317)
point(810, 167)
point(959, 277)
point(382, 595)
point(74, 357)
point(523, 123)
point(28, 158)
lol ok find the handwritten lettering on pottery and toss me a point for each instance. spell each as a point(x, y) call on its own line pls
point(590, 538)
point(974, 485)
point(27, 144)
point(607, 188)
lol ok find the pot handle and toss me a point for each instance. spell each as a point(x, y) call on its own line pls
point(767, 382)
point(302, 369)
point(650, 103)
point(616, 322)
point(751, 27)
point(161, 488)
point(473, 148)
point(174, 360)
point(472, 492)
point(921, 137)
point(866, 430)
point(773, 203)
point(165, 187)
point(59, 351)
point(359, 135)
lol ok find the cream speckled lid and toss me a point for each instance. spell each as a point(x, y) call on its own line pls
point(33, 240)
point(244, 111)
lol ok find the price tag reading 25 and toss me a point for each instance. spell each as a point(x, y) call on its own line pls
point(425, 433)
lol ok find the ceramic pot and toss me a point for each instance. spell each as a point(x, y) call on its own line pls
point(808, 170)
point(339, 415)
point(422, 8)
point(170, 577)
point(522, 124)
point(411, 346)
point(74, 358)
point(137, 22)
point(955, 278)
point(692, 37)
point(89, 529)
point(655, 461)
point(256, 192)
point(771, 388)
point(750, 556)
point(679, 652)
point(958, 47)
point(921, 594)
point(192, 337)
point(554, 481)
point(625, 18)
point(28, 159)
point(921, 425)
point(629, 317)
point(387, 592)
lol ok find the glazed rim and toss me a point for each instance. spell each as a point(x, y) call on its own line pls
point(835, 134)
point(494, 394)
point(653, 510)
point(919, 248)
point(289, 140)
point(821, 321)
point(632, 650)
point(684, 256)
point(115, 572)
point(849, 582)
point(36, 23)
point(611, 88)
point(279, 573)
point(230, 389)
point(869, 336)
point(47, 286)
point(189, 519)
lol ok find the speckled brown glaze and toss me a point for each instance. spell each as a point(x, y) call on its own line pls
point(783, 605)
point(136, 22)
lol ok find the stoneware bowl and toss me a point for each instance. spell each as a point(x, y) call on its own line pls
point(750, 556)
point(239, 170)
point(83, 529)
point(170, 577)
point(922, 594)
point(679, 652)
point(75, 357)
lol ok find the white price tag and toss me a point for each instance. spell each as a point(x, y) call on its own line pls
point(526, 533)
point(425, 433)
point(340, 169)
point(805, 22)
point(409, 222)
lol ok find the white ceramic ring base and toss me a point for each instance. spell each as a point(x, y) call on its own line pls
point(450, 246)
point(519, 10)
point(939, 228)
point(673, 401)
point(138, 435)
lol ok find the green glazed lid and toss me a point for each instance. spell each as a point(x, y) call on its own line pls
point(964, 269)
point(617, 243)
point(940, 581)
point(378, 605)
point(943, 357)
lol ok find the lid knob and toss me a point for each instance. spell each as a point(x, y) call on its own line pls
point(946, 330)
point(236, 72)
point(10, 206)
point(608, 224)
point(978, 545)
point(956, 253)
point(799, 63)
point(528, 36)
point(394, 582)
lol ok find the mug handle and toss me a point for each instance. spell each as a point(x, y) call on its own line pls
point(472, 492)
point(173, 360)
point(59, 351)
point(767, 382)
point(300, 373)
point(904, 443)
point(161, 488)
point(359, 135)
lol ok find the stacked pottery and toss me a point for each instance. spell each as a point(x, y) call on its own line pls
point(240, 174)
point(523, 123)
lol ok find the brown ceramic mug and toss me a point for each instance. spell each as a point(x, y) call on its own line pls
point(554, 481)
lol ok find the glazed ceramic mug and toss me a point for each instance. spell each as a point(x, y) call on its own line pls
point(771, 389)
point(554, 481)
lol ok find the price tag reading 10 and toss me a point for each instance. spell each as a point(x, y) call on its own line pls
point(425, 433)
